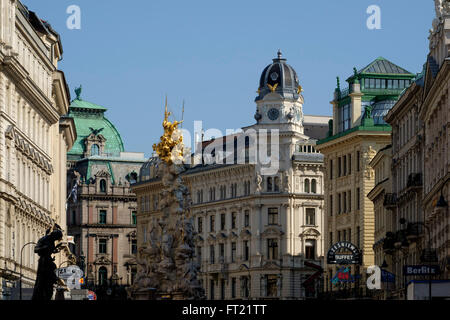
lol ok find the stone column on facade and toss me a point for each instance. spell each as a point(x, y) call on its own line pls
point(335, 115)
point(356, 105)
point(90, 214)
point(114, 215)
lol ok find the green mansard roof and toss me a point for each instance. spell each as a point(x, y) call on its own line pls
point(88, 116)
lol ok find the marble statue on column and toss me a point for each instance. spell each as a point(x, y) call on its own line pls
point(167, 265)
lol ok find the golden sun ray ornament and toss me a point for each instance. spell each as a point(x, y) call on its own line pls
point(299, 89)
point(170, 147)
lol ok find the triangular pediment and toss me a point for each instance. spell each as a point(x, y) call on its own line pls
point(245, 233)
point(102, 173)
point(271, 265)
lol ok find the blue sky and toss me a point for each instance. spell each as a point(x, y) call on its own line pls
point(129, 54)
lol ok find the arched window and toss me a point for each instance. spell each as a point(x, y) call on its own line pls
point(102, 276)
point(306, 185)
point(103, 185)
point(313, 186)
point(95, 150)
point(269, 184)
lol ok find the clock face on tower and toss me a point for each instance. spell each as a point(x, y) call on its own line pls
point(273, 114)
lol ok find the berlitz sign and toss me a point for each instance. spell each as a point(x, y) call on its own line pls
point(421, 270)
point(344, 252)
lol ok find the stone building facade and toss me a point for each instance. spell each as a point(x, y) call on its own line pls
point(34, 138)
point(417, 206)
point(434, 113)
point(258, 236)
point(384, 219)
point(357, 132)
point(102, 216)
point(405, 199)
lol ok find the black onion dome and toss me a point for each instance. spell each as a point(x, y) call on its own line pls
point(281, 74)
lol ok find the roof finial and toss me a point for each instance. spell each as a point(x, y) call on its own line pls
point(78, 92)
point(279, 54)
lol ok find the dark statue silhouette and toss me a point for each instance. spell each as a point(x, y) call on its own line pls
point(46, 276)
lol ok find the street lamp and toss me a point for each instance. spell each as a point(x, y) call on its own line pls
point(20, 281)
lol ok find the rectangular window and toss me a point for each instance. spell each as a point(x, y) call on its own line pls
point(222, 252)
point(331, 169)
point(330, 206)
point(134, 218)
point(390, 84)
point(372, 83)
point(102, 246)
point(199, 255)
point(222, 221)
point(377, 83)
point(273, 216)
point(272, 287)
point(345, 235)
point(133, 246)
point(200, 224)
point(212, 254)
point(233, 288)
point(344, 163)
point(358, 199)
point(233, 220)
point(395, 84)
point(222, 289)
point(212, 223)
point(339, 167)
point(358, 237)
point(339, 236)
point(358, 154)
point(349, 235)
point(233, 252)
point(245, 290)
point(102, 217)
point(349, 164)
point(345, 202)
point(246, 251)
point(310, 249)
point(310, 216)
point(211, 290)
point(272, 249)
point(349, 201)
point(331, 239)
point(247, 219)
point(339, 204)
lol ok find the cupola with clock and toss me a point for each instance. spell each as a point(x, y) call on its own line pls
point(280, 101)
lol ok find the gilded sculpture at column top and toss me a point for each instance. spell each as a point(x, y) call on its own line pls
point(170, 147)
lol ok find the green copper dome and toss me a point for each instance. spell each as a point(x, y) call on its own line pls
point(89, 118)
